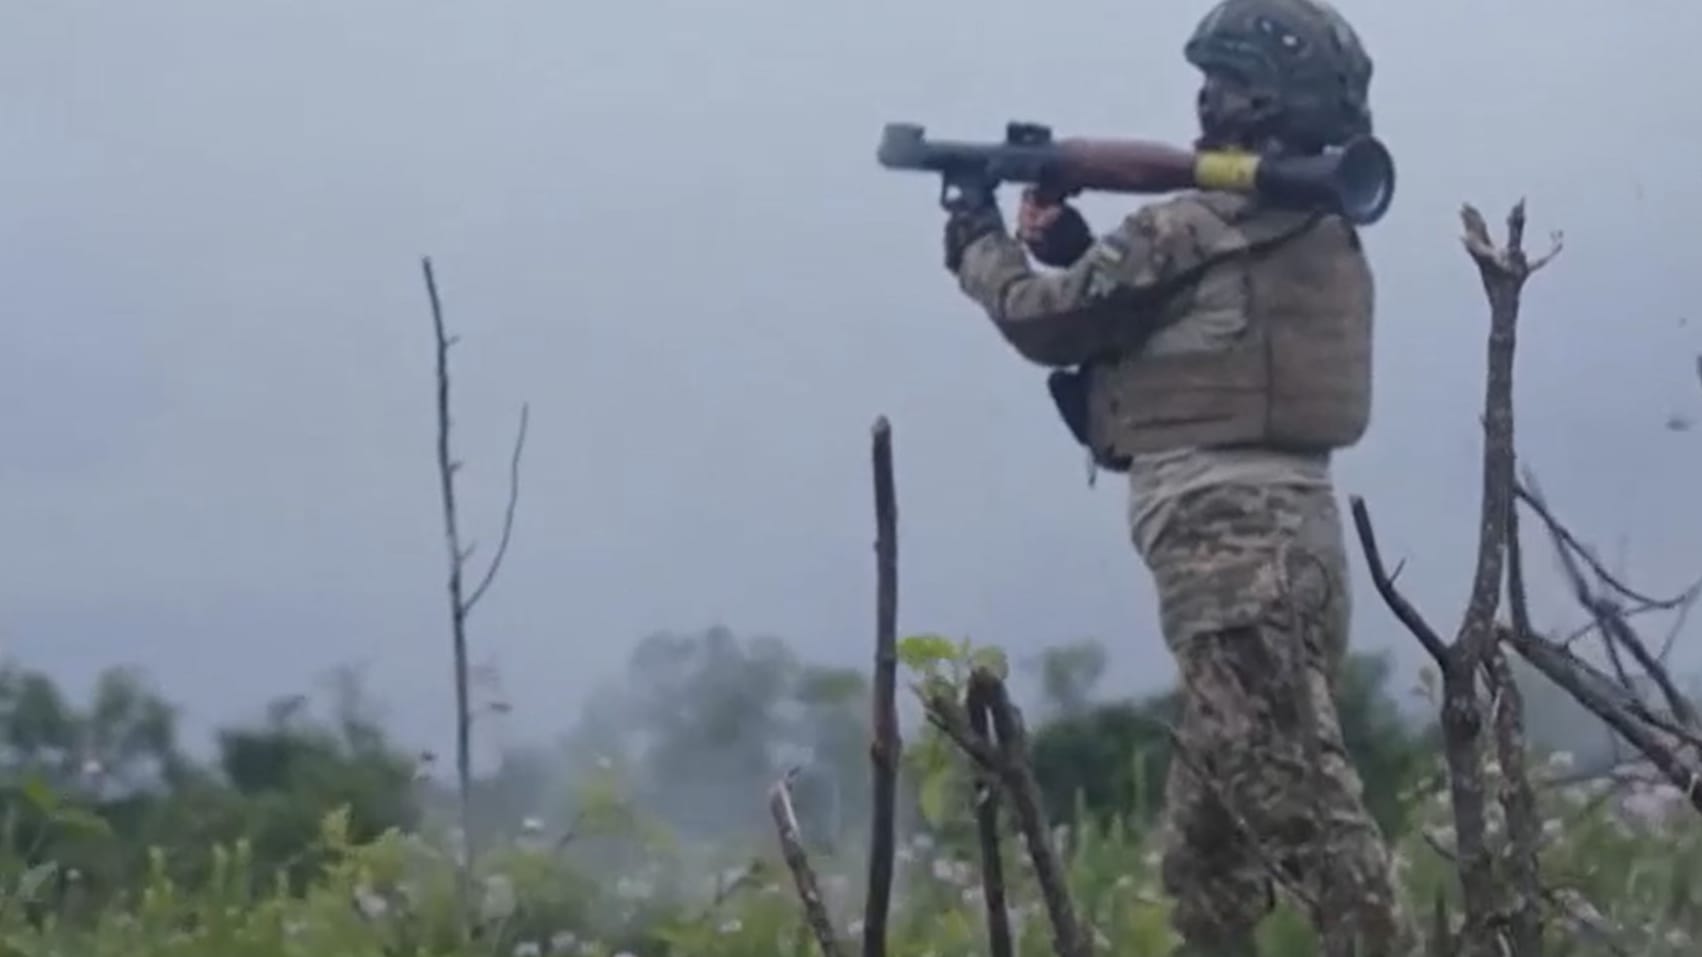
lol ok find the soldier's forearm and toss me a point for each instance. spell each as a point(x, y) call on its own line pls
point(1056, 319)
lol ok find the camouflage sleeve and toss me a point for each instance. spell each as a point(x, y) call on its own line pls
point(1068, 317)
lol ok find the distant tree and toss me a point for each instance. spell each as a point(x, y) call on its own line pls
point(122, 742)
point(291, 768)
point(1068, 675)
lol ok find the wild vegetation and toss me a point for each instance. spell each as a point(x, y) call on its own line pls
point(731, 798)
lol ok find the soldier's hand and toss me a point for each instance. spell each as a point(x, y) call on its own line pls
point(1054, 231)
point(964, 226)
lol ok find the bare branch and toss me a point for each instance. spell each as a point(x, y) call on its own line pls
point(1503, 271)
point(508, 513)
point(1402, 609)
point(1602, 697)
point(798, 862)
point(1008, 760)
point(1587, 921)
point(1619, 772)
point(885, 749)
point(460, 603)
point(987, 829)
point(1616, 631)
point(1677, 626)
point(446, 468)
point(1527, 491)
point(1519, 804)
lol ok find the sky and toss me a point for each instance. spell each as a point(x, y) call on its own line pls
point(661, 224)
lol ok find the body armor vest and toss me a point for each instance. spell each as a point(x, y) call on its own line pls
point(1294, 375)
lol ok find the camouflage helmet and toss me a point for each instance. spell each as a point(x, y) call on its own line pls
point(1289, 69)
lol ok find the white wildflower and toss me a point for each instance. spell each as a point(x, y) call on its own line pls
point(942, 869)
point(1644, 806)
point(1561, 761)
point(562, 941)
point(1584, 909)
point(499, 900)
point(371, 904)
point(532, 825)
point(964, 873)
point(732, 926)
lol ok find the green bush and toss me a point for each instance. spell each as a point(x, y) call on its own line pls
point(1632, 859)
point(305, 839)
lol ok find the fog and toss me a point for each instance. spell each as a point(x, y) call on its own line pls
point(661, 224)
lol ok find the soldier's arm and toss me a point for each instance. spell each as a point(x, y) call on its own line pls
point(1067, 317)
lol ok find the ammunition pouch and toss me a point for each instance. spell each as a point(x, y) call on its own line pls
point(1069, 389)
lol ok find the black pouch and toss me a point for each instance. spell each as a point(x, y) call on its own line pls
point(1069, 395)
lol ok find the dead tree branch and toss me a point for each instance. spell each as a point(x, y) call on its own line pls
point(1503, 271)
point(1007, 759)
point(798, 862)
point(1518, 795)
point(1519, 806)
point(1672, 742)
point(1568, 543)
point(885, 749)
point(508, 512)
point(987, 828)
point(1611, 618)
point(460, 603)
point(1601, 696)
point(1403, 610)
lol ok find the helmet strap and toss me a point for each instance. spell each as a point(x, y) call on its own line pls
point(1233, 115)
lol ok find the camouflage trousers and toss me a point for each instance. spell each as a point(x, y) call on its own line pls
point(1261, 798)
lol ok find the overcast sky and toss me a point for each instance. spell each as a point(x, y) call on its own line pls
point(661, 223)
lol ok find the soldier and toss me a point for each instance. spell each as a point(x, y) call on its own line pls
point(1218, 350)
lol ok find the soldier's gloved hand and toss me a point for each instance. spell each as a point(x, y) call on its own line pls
point(965, 225)
point(1054, 231)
